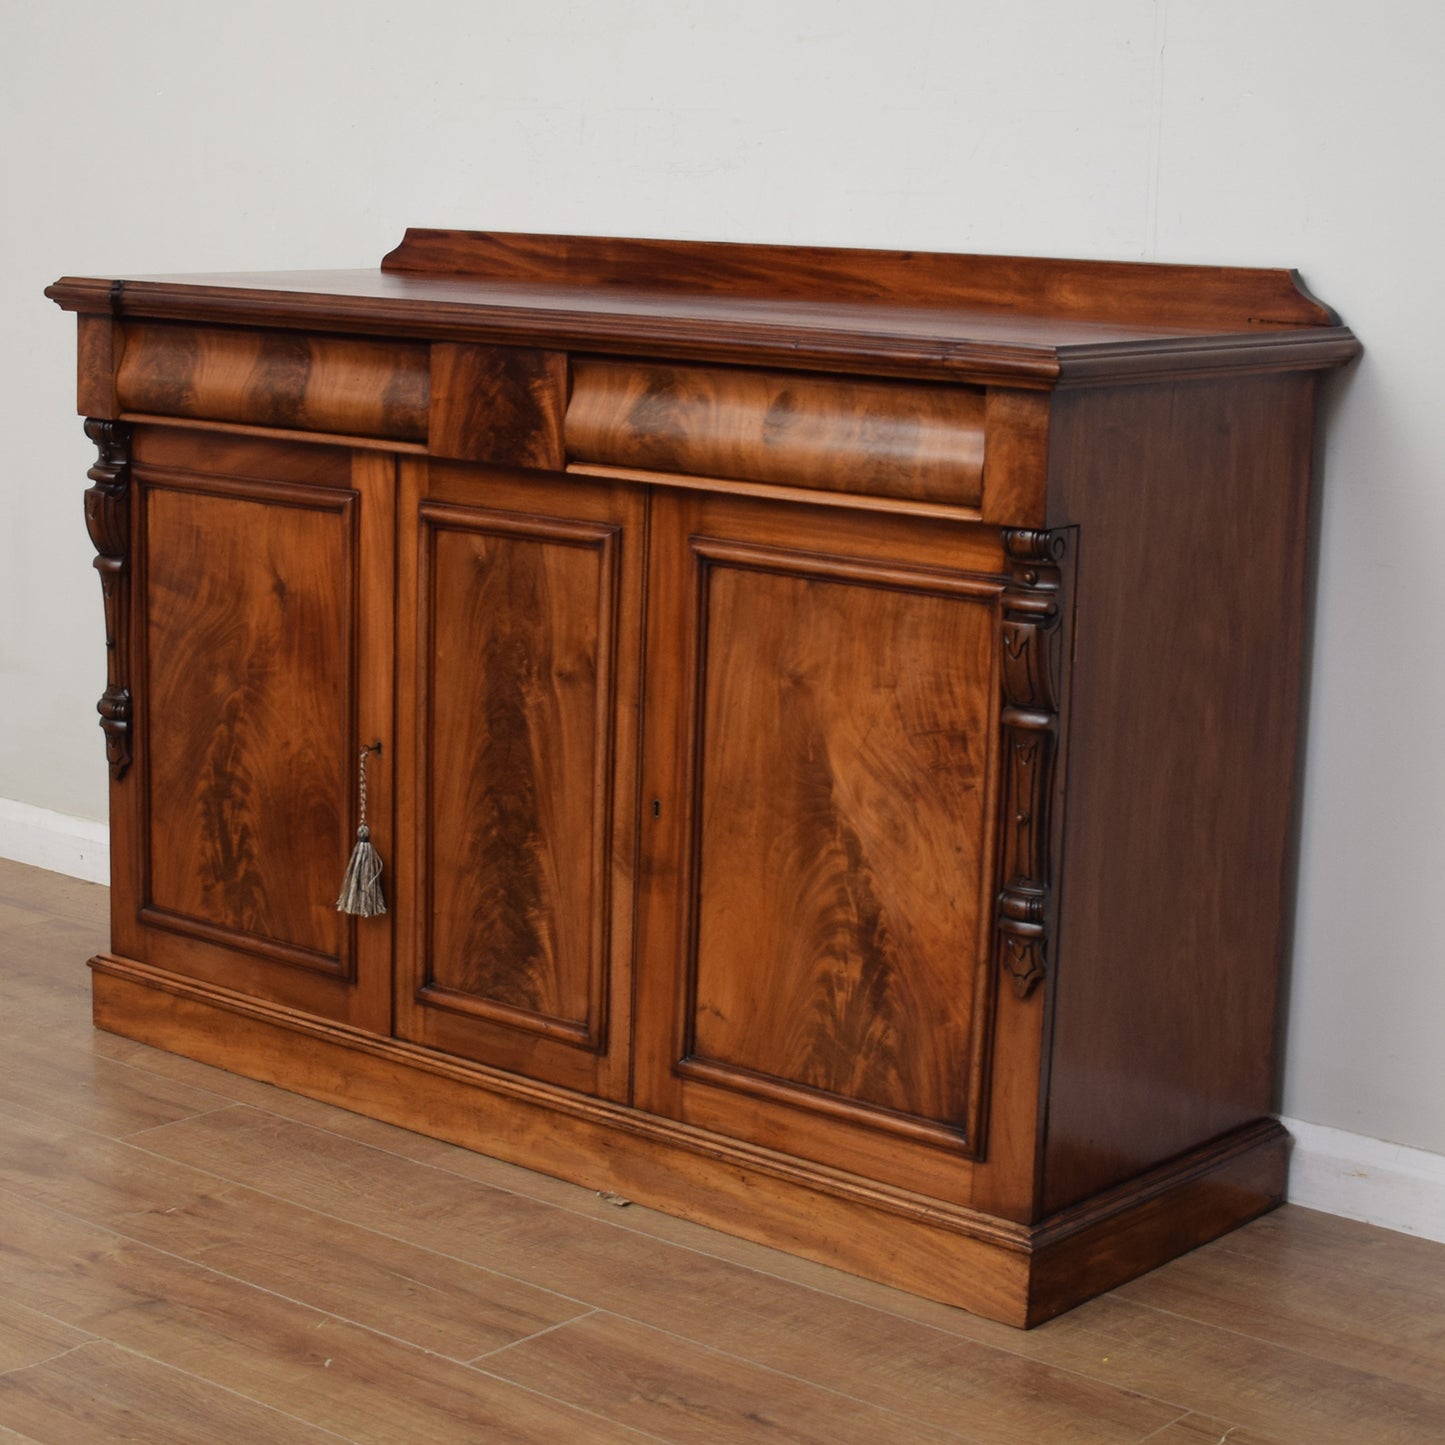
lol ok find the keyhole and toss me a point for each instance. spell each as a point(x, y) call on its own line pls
point(657, 807)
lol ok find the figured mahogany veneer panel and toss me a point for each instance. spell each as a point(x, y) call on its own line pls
point(498, 404)
point(519, 656)
point(249, 591)
point(916, 442)
point(820, 796)
point(841, 857)
point(95, 366)
point(1222, 296)
point(519, 750)
point(281, 379)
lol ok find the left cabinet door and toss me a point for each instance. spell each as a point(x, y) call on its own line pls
point(262, 664)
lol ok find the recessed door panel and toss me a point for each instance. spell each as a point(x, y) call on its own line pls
point(843, 766)
point(264, 666)
point(821, 860)
point(523, 674)
point(248, 607)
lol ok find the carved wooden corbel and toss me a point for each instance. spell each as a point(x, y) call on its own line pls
point(107, 517)
point(1032, 667)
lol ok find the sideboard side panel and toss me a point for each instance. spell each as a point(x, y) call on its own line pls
point(1192, 506)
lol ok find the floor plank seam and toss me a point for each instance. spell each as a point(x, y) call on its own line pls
point(326, 1314)
point(757, 1364)
point(577, 1213)
point(215, 1385)
point(183, 1119)
point(573, 1405)
point(1280, 1344)
point(220, 1108)
point(587, 1306)
point(50, 1359)
point(1164, 1429)
point(535, 1335)
point(584, 1305)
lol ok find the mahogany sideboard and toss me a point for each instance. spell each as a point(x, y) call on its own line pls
point(832, 719)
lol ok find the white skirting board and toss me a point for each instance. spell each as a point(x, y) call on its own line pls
point(1330, 1170)
point(1369, 1179)
point(77, 847)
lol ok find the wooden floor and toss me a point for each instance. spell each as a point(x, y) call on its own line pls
point(188, 1256)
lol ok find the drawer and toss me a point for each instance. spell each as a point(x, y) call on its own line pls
point(888, 439)
point(284, 379)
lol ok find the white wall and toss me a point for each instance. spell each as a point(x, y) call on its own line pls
point(159, 135)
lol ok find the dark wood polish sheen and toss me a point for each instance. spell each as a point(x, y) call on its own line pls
point(837, 717)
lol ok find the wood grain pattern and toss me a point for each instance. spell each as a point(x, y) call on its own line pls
point(497, 404)
point(27, 1338)
point(95, 366)
point(655, 1382)
point(1164, 1019)
point(250, 587)
point(101, 1393)
point(922, 443)
point(923, 1245)
point(927, 1373)
point(840, 866)
point(523, 704)
point(1234, 297)
point(365, 1275)
point(235, 839)
point(745, 682)
point(278, 379)
point(314, 1366)
point(852, 784)
point(518, 652)
point(1308, 1327)
point(1016, 451)
point(1318, 1287)
point(1087, 321)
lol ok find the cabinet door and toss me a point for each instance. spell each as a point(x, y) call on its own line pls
point(820, 789)
point(521, 627)
point(262, 638)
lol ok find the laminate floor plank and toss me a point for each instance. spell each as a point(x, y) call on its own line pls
point(657, 1382)
point(303, 1362)
point(74, 1087)
point(1295, 1235)
point(27, 1338)
point(1269, 1388)
point(929, 1376)
point(103, 1394)
point(1393, 1327)
point(55, 895)
point(1201, 1430)
point(417, 1295)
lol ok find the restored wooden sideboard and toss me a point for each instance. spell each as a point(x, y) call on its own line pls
point(834, 720)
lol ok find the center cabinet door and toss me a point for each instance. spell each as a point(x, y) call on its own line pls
point(819, 794)
point(519, 627)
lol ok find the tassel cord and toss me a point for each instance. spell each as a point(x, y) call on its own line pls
point(361, 894)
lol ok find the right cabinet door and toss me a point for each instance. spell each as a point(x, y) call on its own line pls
point(821, 777)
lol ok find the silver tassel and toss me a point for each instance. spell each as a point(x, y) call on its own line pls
point(361, 887)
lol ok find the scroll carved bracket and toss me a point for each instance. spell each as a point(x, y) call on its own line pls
point(107, 518)
point(1032, 667)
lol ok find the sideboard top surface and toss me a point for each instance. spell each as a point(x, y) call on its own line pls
point(1024, 320)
